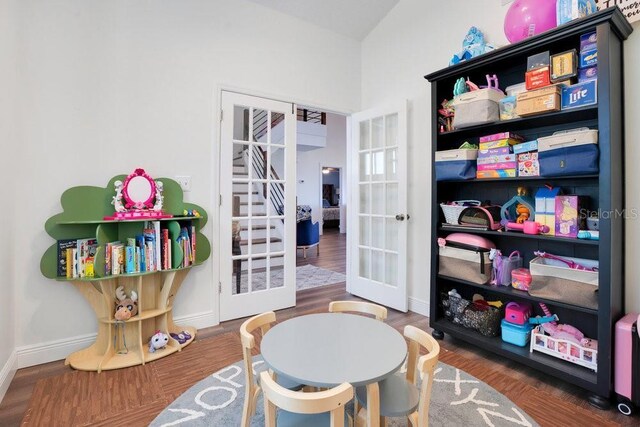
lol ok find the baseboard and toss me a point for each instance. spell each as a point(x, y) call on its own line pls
point(7, 373)
point(50, 351)
point(419, 306)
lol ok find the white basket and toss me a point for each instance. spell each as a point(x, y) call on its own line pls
point(452, 212)
point(563, 349)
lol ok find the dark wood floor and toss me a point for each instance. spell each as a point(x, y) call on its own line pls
point(53, 394)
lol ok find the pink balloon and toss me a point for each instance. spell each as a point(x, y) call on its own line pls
point(526, 18)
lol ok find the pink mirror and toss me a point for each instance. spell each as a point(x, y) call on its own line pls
point(139, 197)
point(139, 190)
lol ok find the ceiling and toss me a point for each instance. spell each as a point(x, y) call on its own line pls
point(352, 18)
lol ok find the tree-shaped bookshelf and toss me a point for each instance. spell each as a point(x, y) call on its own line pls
point(120, 344)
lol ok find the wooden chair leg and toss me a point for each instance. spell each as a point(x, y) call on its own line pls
point(246, 409)
point(304, 252)
point(318, 249)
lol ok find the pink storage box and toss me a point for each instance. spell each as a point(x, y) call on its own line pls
point(497, 166)
point(521, 279)
point(517, 312)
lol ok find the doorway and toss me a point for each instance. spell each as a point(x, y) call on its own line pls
point(330, 191)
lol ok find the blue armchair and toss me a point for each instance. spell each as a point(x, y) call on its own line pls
point(308, 234)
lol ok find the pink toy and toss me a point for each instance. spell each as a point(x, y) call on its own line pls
point(517, 313)
point(528, 227)
point(627, 356)
point(526, 18)
point(569, 262)
point(521, 279)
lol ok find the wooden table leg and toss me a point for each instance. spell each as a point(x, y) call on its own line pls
point(373, 405)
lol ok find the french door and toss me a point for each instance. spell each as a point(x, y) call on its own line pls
point(377, 226)
point(257, 205)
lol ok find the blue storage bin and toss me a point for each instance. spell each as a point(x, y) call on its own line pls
point(456, 165)
point(569, 153)
point(516, 334)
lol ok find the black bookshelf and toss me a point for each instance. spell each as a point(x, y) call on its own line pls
point(605, 192)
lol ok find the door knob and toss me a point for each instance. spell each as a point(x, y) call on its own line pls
point(400, 217)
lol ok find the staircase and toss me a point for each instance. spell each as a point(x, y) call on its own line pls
point(250, 195)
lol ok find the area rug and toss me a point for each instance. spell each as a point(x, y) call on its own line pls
point(458, 399)
point(307, 276)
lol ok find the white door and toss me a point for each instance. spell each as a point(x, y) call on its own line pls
point(377, 225)
point(257, 205)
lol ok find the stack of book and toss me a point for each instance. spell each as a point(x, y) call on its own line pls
point(495, 157)
point(76, 258)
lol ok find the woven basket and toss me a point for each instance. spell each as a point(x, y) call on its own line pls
point(452, 212)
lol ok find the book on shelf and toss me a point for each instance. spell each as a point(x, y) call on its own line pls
point(85, 247)
point(117, 259)
point(63, 261)
point(166, 261)
point(74, 260)
point(130, 259)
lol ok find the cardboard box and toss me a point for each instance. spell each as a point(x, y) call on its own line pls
point(502, 173)
point(498, 143)
point(539, 101)
point(501, 158)
point(567, 216)
point(538, 78)
point(528, 164)
point(580, 95)
point(498, 166)
point(588, 58)
point(501, 135)
point(589, 73)
point(501, 151)
point(525, 147)
point(589, 41)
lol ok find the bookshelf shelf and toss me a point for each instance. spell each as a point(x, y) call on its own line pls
point(83, 211)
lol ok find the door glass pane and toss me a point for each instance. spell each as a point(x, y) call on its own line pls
point(365, 263)
point(391, 130)
point(391, 266)
point(365, 167)
point(377, 132)
point(365, 230)
point(276, 271)
point(258, 273)
point(365, 207)
point(277, 128)
point(260, 126)
point(240, 123)
point(377, 266)
point(392, 164)
point(392, 199)
point(391, 234)
point(365, 135)
point(377, 160)
point(240, 161)
point(377, 199)
point(239, 277)
point(377, 232)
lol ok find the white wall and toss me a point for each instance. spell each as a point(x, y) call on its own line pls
point(415, 38)
point(110, 86)
point(309, 162)
point(9, 169)
point(418, 37)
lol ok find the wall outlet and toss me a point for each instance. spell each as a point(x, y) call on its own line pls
point(185, 182)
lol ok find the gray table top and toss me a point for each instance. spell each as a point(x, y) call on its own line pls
point(327, 349)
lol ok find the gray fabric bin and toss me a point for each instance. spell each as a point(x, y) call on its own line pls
point(554, 280)
point(477, 107)
point(464, 264)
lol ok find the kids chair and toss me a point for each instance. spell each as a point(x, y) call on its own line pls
point(399, 395)
point(308, 235)
point(263, 322)
point(378, 311)
point(322, 408)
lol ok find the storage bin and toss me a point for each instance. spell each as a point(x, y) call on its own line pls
point(554, 280)
point(485, 320)
point(503, 266)
point(477, 107)
point(456, 165)
point(465, 264)
point(521, 279)
point(516, 334)
point(569, 153)
point(453, 307)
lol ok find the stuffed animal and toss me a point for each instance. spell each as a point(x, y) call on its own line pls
point(523, 213)
point(473, 45)
point(158, 341)
point(125, 307)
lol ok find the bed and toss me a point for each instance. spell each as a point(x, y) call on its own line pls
point(330, 215)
